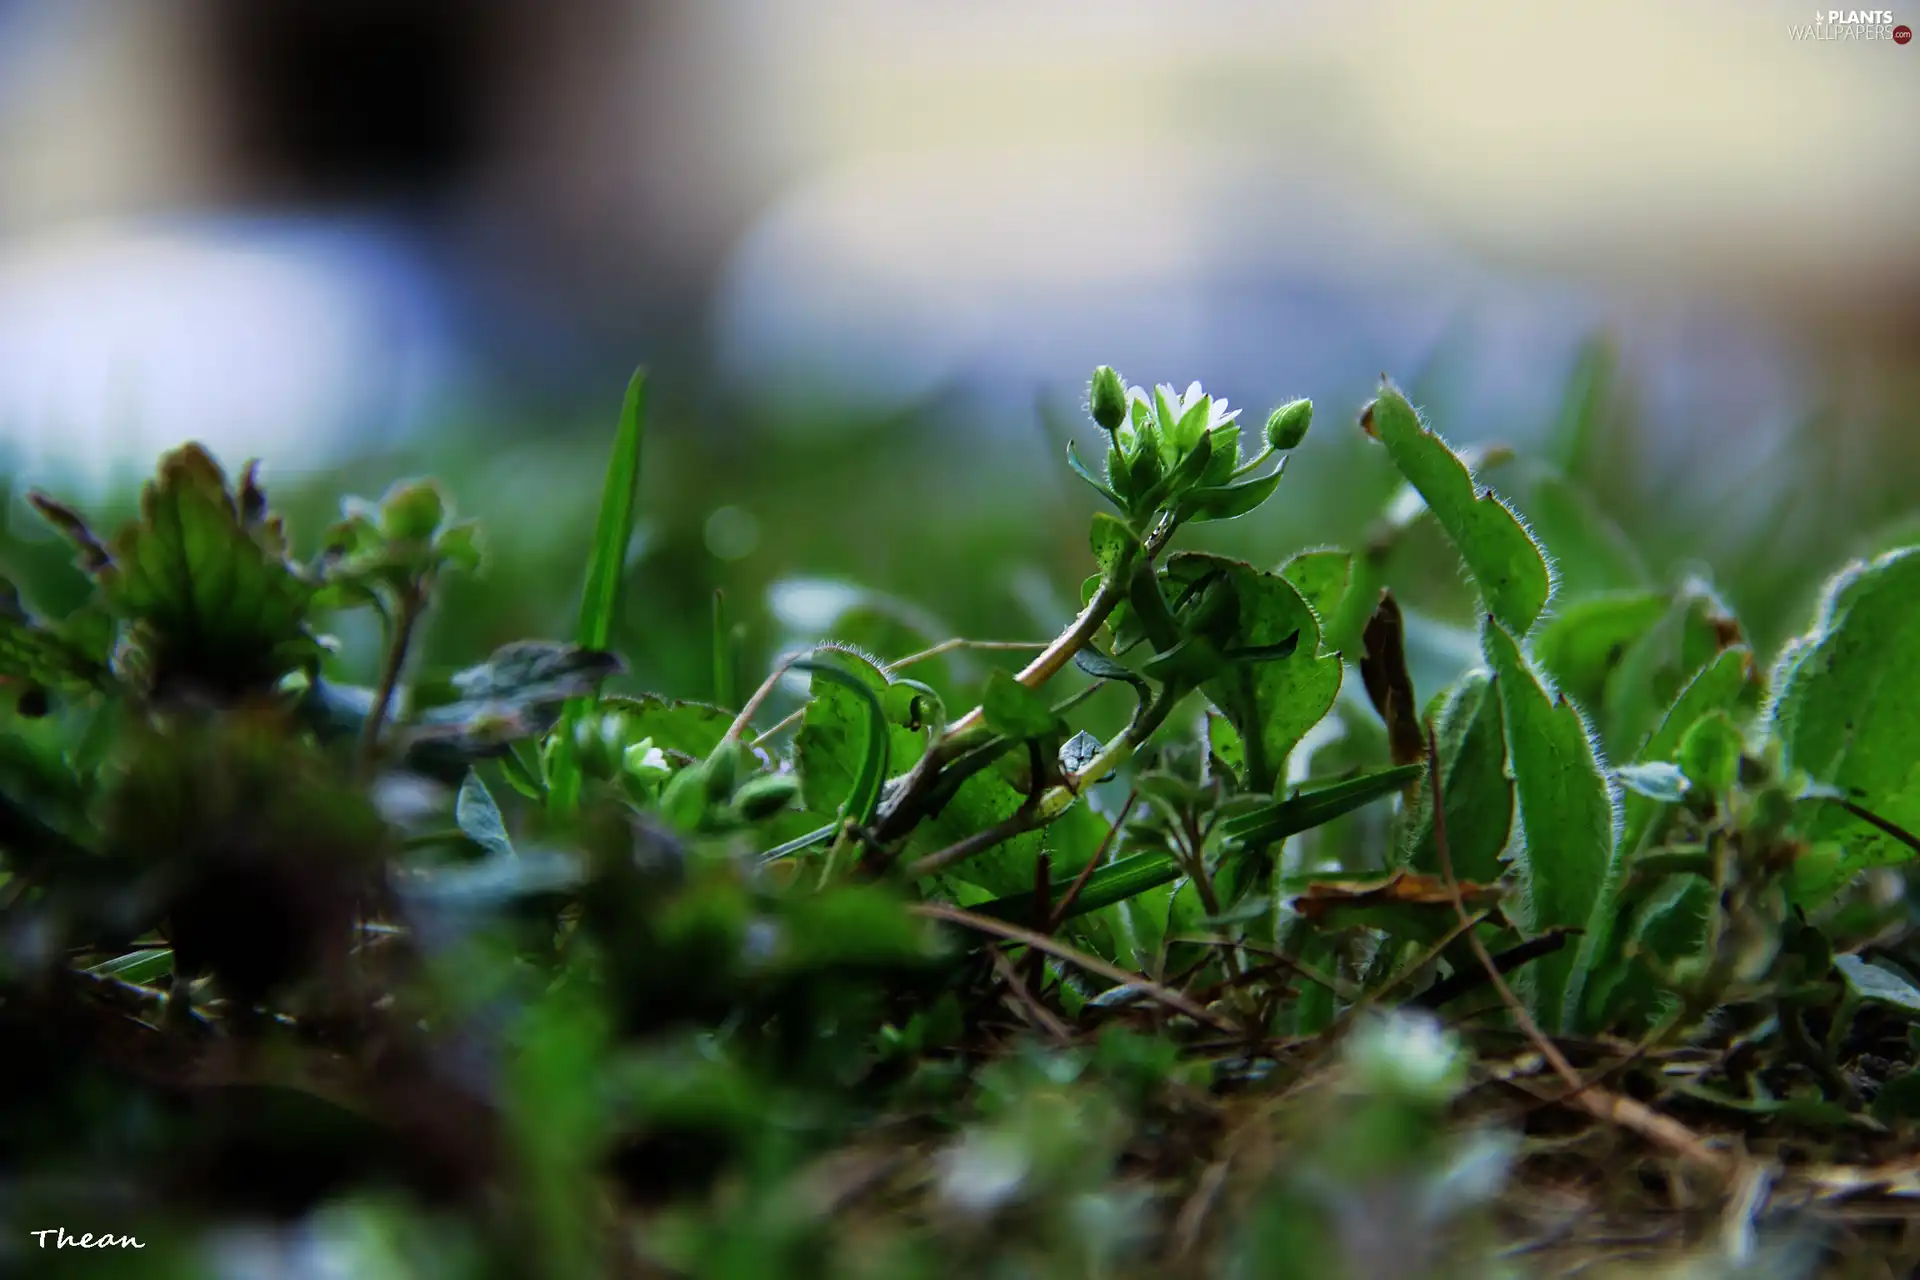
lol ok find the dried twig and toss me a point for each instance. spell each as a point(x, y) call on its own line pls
point(1060, 951)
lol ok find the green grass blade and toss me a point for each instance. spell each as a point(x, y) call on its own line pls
point(1310, 809)
point(606, 566)
point(1115, 882)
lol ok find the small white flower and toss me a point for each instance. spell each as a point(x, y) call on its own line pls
point(1407, 1054)
point(1218, 415)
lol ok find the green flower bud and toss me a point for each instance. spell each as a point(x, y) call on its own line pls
point(766, 795)
point(412, 509)
point(1287, 425)
point(684, 800)
point(723, 767)
point(1108, 398)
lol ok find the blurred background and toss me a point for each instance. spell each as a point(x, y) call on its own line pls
point(872, 251)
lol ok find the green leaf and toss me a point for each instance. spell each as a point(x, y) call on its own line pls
point(1271, 703)
point(845, 746)
point(1015, 711)
point(1576, 437)
point(205, 580)
point(137, 967)
point(606, 568)
point(1080, 469)
point(1656, 666)
point(1112, 542)
point(478, 818)
point(613, 529)
point(1305, 810)
point(39, 655)
point(1566, 863)
point(1668, 927)
point(1321, 578)
point(1228, 502)
point(1847, 710)
point(1472, 741)
point(1717, 687)
point(1116, 882)
point(1710, 753)
point(691, 729)
point(1501, 555)
point(1224, 459)
point(1590, 552)
point(1582, 644)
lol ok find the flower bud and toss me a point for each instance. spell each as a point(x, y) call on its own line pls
point(1108, 399)
point(766, 795)
point(1287, 425)
point(412, 510)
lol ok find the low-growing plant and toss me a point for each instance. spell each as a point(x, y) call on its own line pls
point(1303, 965)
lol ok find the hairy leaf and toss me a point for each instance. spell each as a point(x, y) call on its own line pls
point(1501, 555)
point(1847, 710)
point(1566, 863)
point(1472, 741)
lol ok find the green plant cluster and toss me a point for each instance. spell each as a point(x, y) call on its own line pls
point(496, 972)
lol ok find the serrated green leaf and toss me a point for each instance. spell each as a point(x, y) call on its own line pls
point(205, 584)
point(1470, 733)
point(1846, 709)
point(1566, 864)
point(1505, 563)
point(37, 654)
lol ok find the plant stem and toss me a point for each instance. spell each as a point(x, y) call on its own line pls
point(1056, 655)
point(413, 603)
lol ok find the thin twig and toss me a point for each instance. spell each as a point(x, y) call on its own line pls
point(787, 721)
point(1036, 1012)
point(948, 646)
point(1080, 959)
point(1628, 1113)
point(744, 721)
point(1072, 895)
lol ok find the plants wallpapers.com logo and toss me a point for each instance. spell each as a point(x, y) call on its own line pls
point(1852, 24)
